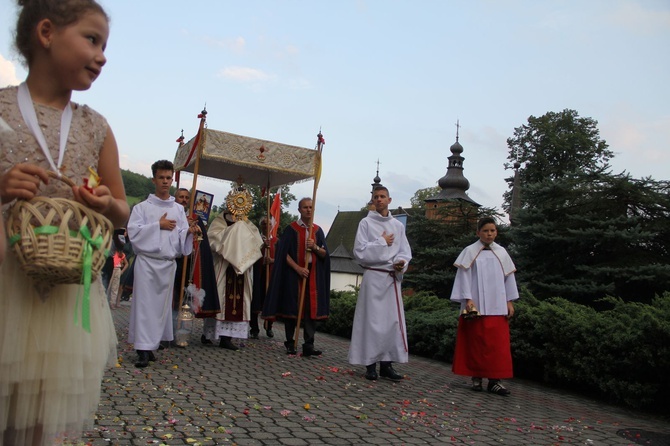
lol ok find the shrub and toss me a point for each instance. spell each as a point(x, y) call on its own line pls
point(431, 325)
point(342, 308)
point(620, 353)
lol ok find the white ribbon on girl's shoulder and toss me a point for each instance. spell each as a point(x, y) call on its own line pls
point(28, 113)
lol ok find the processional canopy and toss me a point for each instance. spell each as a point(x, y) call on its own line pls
point(228, 156)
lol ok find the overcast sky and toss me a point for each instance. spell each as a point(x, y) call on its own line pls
point(384, 80)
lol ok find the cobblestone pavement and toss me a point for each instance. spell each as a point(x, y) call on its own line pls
point(205, 395)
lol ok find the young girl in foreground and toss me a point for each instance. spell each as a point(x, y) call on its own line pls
point(50, 367)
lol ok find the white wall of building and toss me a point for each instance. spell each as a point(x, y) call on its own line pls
point(341, 281)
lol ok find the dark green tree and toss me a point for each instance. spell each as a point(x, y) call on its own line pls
point(590, 234)
point(581, 232)
point(417, 201)
point(435, 245)
point(554, 145)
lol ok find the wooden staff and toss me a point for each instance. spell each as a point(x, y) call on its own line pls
point(303, 286)
point(199, 141)
point(267, 250)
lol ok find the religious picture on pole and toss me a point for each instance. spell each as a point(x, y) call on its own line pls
point(202, 205)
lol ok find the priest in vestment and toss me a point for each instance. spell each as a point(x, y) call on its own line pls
point(236, 246)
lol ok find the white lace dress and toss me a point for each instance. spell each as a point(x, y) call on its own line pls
point(50, 368)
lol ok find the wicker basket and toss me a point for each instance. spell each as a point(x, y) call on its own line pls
point(47, 237)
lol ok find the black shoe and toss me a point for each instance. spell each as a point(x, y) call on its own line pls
point(308, 350)
point(253, 335)
point(205, 341)
point(495, 386)
point(386, 371)
point(267, 326)
point(152, 358)
point(371, 372)
point(142, 359)
point(290, 349)
point(226, 343)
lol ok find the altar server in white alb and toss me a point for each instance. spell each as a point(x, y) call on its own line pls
point(159, 232)
point(379, 332)
point(485, 287)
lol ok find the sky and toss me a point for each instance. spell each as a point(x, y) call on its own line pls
point(384, 80)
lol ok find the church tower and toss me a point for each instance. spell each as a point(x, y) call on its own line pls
point(376, 182)
point(452, 202)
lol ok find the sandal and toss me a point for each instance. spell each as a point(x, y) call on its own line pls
point(477, 384)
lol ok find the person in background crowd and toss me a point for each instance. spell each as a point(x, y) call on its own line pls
point(120, 265)
point(262, 273)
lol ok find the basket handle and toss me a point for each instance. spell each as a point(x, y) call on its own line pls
point(60, 177)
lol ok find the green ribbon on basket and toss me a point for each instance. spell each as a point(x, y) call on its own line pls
point(87, 264)
point(40, 230)
point(87, 267)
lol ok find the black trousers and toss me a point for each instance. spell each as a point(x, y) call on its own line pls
point(308, 332)
point(309, 324)
point(253, 323)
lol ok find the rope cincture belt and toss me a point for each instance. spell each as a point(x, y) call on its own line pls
point(87, 266)
point(397, 299)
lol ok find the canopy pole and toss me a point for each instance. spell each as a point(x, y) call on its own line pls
point(180, 140)
point(317, 177)
point(203, 118)
point(266, 256)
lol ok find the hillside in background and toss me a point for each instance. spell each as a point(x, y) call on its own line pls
point(138, 187)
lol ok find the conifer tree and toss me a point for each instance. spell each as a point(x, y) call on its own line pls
point(582, 232)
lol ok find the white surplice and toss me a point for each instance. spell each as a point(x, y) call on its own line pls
point(379, 332)
point(155, 253)
point(487, 277)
